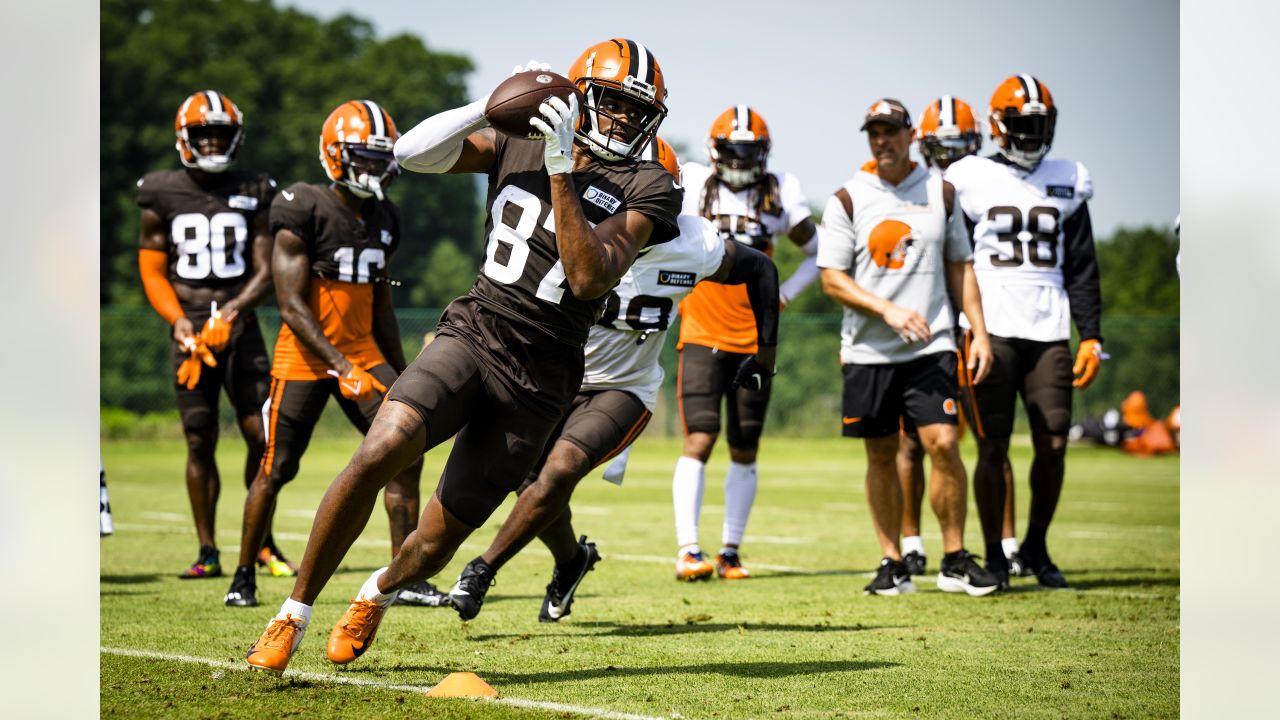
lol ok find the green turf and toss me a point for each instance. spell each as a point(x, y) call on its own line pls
point(801, 643)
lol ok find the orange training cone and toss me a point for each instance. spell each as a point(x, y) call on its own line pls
point(462, 685)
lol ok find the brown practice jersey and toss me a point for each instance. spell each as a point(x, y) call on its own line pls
point(210, 229)
point(523, 277)
point(347, 257)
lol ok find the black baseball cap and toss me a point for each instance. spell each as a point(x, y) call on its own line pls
point(887, 110)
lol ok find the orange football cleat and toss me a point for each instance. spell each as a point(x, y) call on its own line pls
point(355, 631)
point(729, 566)
point(690, 566)
point(272, 651)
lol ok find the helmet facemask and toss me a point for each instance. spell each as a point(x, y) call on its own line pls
point(739, 164)
point(1027, 135)
point(618, 121)
point(948, 145)
point(221, 140)
point(366, 170)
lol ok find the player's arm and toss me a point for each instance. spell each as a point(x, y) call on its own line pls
point(153, 266)
point(805, 237)
point(386, 328)
point(291, 269)
point(962, 285)
point(743, 265)
point(1080, 276)
point(454, 141)
point(259, 284)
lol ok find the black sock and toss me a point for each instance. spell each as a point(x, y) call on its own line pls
point(995, 557)
point(1034, 544)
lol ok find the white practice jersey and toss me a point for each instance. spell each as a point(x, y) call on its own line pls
point(623, 347)
point(1018, 241)
point(734, 214)
point(896, 247)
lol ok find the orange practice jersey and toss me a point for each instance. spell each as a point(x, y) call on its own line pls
point(719, 316)
point(345, 311)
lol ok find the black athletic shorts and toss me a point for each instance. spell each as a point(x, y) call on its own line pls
point(243, 370)
point(1039, 371)
point(881, 399)
point(600, 423)
point(501, 387)
point(295, 407)
point(704, 377)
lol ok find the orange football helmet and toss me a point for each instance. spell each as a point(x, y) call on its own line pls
point(625, 98)
point(889, 242)
point(1022, 117)
point(208, 119)
point(948, 131)
point(355, 147)
point(660, 151)
point(739, 146)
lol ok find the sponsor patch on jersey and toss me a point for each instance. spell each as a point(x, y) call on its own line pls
point(677, 278)
point(600, 198)
point(1060, 191)
point(386, 237)
point(243, 202)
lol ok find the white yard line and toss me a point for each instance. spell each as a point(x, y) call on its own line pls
point(342, 680)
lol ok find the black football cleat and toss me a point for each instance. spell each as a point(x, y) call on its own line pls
point(422, 594)
point(962, 573)
point(468, 593)
point(565, 580)
point(244, 589)
point(891, 579)
point(915, 562)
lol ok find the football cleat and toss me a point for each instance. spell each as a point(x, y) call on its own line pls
point(565, 580)
point(422, 594)
point(1018, 567)
point(355, 630)
point(1037, 561)
point(891, 579)
point(729, 566)
point(273, 560)
point(915, 562)
point(961, 573)
point(691, 565)
point(205, 566)
point(468, 593)
point(272, 651)
point(243, 592)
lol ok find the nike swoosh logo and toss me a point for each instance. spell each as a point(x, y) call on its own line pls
point(759, 380)
point(849, 420)
point(287, 195)
point(676, 186)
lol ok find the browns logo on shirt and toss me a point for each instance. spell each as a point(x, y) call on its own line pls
point(347, 257)
point(210, 228)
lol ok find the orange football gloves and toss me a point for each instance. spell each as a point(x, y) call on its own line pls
point(217, 329)
point(1088, 359)
point(358, 384)
point(189, 370)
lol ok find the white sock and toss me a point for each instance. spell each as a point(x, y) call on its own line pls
point(1010, 546)
point(296, 609)
point(687, 549)
point(369, 591)
point(912, 543)
point(739, 495)
point(688, 483)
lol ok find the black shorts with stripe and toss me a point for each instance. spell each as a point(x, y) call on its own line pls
point(600, 423)
point(293, 410)
point(881, 399)
point(704, 379)
point(1038, 371)
point(243, 371)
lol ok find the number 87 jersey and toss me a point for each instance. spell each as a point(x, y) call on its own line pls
point(1032, 244)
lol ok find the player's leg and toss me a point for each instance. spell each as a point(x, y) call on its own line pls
point(1009, 531)
point(699, 388)
point(744, 425)
point(911, 477)
point(198, 409)
point(105, 525)
point(293, 408)
point(990, 406)
point(1048, 401)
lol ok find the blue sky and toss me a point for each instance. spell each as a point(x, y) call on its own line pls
point(812, 68)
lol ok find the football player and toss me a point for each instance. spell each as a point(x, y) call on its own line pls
point(750, 204)
point(619, 389)
point(893, 249)
point(340, 337)
point(1035, 261)
point(205, 262)
point(105, 525)
point(568, 210)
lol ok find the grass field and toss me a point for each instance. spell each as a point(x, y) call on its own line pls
point(797, 640)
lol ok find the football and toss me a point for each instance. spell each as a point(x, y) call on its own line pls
point(518, 97)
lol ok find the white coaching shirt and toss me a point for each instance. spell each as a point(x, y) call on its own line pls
point(623, 347)
point(734, 213)
point(1017, 218)
point(896, 246)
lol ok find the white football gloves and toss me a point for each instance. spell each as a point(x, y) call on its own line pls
point(557, 130)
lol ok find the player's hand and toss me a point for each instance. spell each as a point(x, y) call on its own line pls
point(753, 375)
point(1088, 359)
point(980, 357)
point(530, 66)
point(183, 330)
point(358, 384)
point(907, 323)
point(217, 329)
point(557, 124)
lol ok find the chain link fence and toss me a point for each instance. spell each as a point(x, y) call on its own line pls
point(138, 397)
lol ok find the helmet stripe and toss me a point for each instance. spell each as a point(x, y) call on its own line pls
point(946, 111)
point(633, 68)
point(1031, 86)
point(215, 101)
point(743, 120)
point(645, 64)
point(375, 118)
